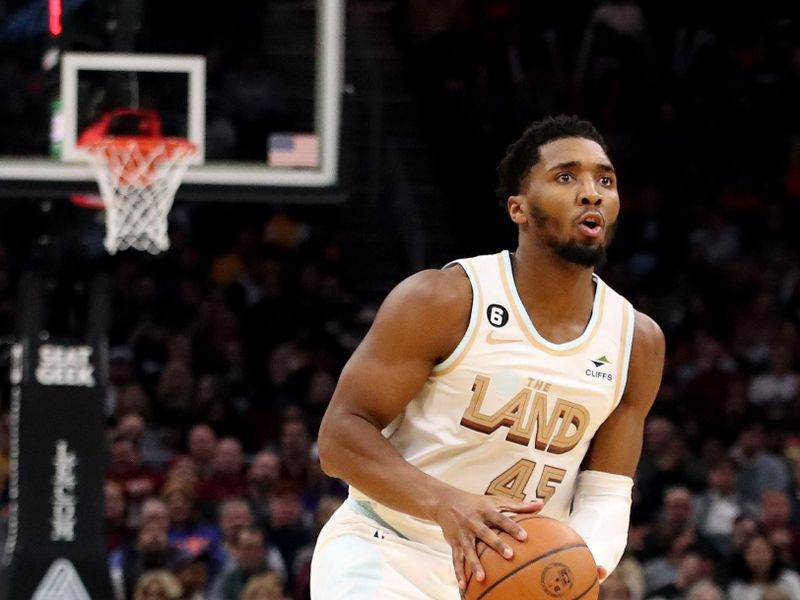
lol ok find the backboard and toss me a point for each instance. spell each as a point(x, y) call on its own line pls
point(255, 85)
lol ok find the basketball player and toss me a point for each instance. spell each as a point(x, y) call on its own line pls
point(509, 383)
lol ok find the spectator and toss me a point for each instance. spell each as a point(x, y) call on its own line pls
point(287, 531)
point(665, 463)
point(157, 585)
point(151, 550)
point(677, 515)
point(693, 569)
point(758, 469)
point(616, 588)
point(745, 528)
point(707, 376)
point(188, 531)
point(115, 513)
point(174, 394)
point(263, 587)
point(212, 399)
point(704, 590)
point(263, 474)
point(121, 373)
point(776, 511)
point(154, 510)
point(778, 387)
point(133, 427)
point(662, 572)
point(249, 552)
point(191, 571)
point(298, 468)
point(719, 506)
point(227, 473)
point(183, 470)
point(285, 374)
point(760, 570)
point(126, 469)
point(756, 335)
point(776, 522)
point(132, 399)
point(774, 592)
point(235, 515)
point(202, 445)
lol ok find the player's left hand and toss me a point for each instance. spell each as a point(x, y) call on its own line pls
point(601, 574)
point(467, 518)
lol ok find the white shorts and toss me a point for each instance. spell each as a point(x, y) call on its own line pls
point(358, 558)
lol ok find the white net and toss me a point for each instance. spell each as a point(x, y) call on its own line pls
point(138, 178)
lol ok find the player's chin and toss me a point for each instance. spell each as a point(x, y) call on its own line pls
point(584, 255)
point(599, 244)
point(591, 240)
point(588, 245)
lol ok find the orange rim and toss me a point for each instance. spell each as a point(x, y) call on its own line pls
point(135, 175)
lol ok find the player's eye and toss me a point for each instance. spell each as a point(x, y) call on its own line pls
point(606, 181)
point(564, 178)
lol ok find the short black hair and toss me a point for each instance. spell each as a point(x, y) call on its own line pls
point(524, 153)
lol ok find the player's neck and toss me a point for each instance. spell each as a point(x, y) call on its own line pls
point(553, 290)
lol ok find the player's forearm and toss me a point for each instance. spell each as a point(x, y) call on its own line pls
point(601, 511)
point(353, 449)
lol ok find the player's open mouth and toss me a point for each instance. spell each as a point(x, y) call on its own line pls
point(591, 224)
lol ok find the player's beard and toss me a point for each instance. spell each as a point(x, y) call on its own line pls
point(584, 255)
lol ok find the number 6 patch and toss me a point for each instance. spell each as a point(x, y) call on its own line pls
point(497, 315)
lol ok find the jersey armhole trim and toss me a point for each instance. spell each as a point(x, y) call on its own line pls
point(629, 325)
point(455, 357)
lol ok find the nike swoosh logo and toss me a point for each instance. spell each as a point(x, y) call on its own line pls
point(490, 339)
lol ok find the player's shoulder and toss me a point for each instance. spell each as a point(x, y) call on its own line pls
point(647, 328)
point(430, 309)
point(648, 338)
point(433, 290)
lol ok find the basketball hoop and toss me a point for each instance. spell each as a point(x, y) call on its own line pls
point(138, 177)
point(138, 171)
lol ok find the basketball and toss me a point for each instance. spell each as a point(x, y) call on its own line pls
point(553, 563)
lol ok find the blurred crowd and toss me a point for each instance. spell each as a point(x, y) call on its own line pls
point(223, 355)
point(226, 350)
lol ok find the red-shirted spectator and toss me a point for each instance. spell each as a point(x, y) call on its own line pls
point(262, 476)
point(227, 476)
point(202, 445)
point(126, 469)
point(115, 513)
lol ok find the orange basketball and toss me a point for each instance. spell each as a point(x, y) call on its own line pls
point(552, 564)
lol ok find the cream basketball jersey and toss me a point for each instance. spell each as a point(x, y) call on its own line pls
point(509, 412)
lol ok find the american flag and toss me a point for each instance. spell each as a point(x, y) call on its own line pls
point(293, 150)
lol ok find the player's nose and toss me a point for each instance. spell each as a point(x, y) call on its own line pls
point(588, 194)
point(590, 198)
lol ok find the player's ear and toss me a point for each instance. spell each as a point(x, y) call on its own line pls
point(516, 210)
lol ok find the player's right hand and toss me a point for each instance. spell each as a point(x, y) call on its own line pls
point(466, 518)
